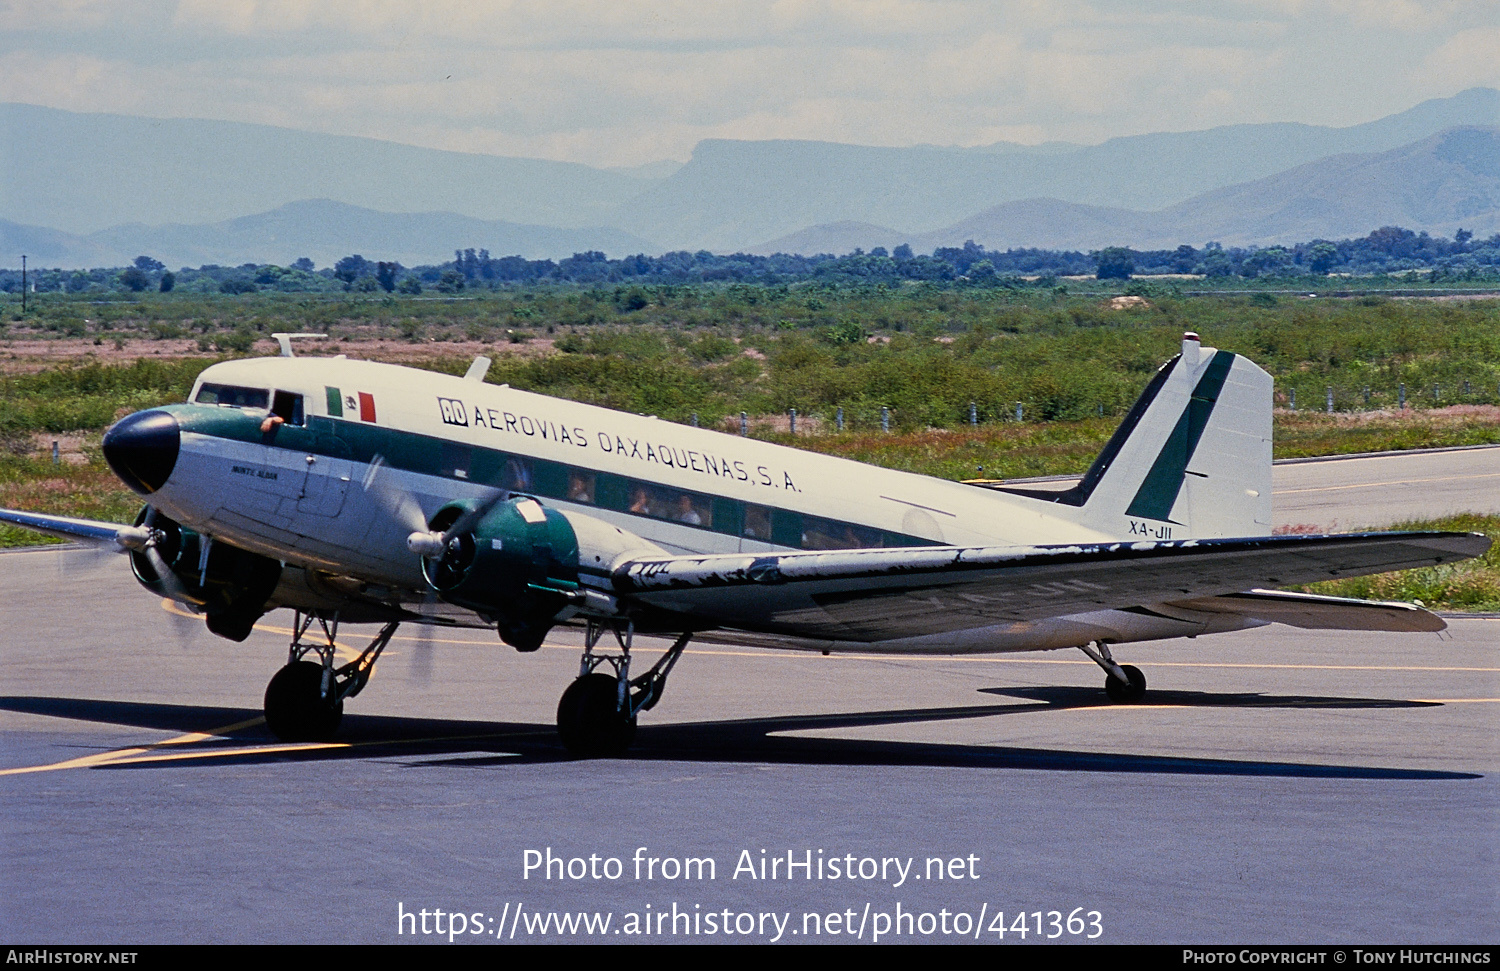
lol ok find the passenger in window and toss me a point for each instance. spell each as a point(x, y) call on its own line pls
point(757, 523)
point(581, 487)
point(518, 475)
point(640, 501)
point(685, 513)
point(859, 540)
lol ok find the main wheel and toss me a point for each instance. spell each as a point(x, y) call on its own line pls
point(295, 708)
point(590, 724)
point(1124, 694)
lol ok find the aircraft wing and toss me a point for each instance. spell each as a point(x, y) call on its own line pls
point(88, 530)
point(1311, 611)
point(883, 594)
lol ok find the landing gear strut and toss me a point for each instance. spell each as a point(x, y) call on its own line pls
point(1125, 684)
point(596, 716)
point(305, 700)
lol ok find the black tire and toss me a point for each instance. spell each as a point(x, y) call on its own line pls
point(588, 721)
point(295, 709)
point(1123, 694)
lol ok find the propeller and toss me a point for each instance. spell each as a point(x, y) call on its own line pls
point(149, 547)
point(427, 543)
point(420, 667)
point(397, 503)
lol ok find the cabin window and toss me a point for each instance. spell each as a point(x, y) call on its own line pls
point(581, 486)
point(232, 396)
point(517, 476)
point(456, 459)
point(657, 502)
point(287, 406)
point(826, 534)
point(757, 523)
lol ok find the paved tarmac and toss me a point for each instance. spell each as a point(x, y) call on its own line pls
point(1278, 786)
point(1375, 491)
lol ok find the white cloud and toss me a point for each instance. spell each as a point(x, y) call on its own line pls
point(1471, 57)
point(629, 82)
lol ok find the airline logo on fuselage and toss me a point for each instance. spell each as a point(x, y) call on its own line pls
point(453, 411)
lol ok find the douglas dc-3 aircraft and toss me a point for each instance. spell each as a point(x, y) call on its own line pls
point(370, 493)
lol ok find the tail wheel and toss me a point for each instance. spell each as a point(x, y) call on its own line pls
point(1125, 694)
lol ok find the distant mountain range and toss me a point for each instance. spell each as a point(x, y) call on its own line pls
point(84, 172)
point(1438, 185)
point(322, 230)
point(95, 190)
point(736, 193)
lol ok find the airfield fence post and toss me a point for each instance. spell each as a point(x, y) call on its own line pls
point(839, 419)
point(1436, 395)
point(1330, 401)
point(744, 424)
point(1367, 394)
point(1020, 415)
point(885, 419)
point(56, 459)
point(793, 425)
point(1466, 387)
point(973, 415)
point(695, 419)
point(1292, 395)
point(1401, 395)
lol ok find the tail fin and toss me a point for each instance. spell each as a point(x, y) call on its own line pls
point(1192, 459)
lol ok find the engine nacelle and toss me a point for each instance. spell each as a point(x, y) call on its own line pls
point(232, 591)
point(520, 565)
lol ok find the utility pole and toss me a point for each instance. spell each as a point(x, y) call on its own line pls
point(23, 284)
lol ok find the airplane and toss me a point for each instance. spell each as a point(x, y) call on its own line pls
point(367, 493)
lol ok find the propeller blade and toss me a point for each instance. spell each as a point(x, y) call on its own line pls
point(471, 518)
point(397, 503)
point(171, 585)
point(421, 652)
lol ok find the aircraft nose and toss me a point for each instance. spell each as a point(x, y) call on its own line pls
point(142, 449)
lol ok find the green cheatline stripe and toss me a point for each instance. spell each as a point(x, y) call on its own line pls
point(430, 455)
point(1158, 492)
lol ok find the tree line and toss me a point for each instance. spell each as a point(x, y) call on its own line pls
point(1389, 249)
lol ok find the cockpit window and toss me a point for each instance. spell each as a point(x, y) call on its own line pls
point(287, 405)
point(232, 396)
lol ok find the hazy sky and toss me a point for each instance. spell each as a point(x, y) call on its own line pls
point(622, 83)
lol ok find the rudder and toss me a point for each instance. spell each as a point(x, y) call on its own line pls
point(1192, 459)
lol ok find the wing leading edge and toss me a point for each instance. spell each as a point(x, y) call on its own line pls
point(887, 594)
point(88, 530)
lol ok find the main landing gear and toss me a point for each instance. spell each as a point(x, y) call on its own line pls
point(305, 700)
point(596, 716)
point(1125, 684)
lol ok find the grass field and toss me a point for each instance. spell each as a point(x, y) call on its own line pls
point(1073, 363)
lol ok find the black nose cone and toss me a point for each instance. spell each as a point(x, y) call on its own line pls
point(142, 449)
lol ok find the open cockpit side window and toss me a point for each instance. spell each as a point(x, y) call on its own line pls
point(287, 405)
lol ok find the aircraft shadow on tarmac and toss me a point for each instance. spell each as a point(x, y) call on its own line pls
point(1064, 696)
point(480, 744)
